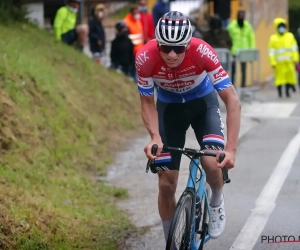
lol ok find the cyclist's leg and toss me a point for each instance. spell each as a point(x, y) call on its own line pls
point(208, 127)
point(172, 130)
point(210, 136)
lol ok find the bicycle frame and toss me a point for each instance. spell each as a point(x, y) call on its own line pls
point(200, 191)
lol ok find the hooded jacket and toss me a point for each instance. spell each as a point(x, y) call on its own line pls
point(282, 48)
point(283, 55)
point(96, 30)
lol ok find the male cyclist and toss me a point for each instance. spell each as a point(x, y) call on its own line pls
point(186, 71)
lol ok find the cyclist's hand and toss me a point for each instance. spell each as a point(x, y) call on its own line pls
point(229, 160)
point(148, 148)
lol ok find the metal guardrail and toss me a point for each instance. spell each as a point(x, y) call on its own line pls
point(252, 57)
point(225, 59)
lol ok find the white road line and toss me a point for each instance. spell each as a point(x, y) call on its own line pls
point(265, 203)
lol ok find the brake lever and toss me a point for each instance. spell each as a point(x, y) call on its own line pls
point(224, 170)
point(153, 152)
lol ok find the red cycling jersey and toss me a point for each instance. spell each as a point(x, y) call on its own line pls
point(195, 77)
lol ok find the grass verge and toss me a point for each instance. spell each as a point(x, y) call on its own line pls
point(61, 115)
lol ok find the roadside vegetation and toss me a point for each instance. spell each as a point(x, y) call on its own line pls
point(62, 117)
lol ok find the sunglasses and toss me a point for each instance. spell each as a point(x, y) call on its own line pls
point(167, 49)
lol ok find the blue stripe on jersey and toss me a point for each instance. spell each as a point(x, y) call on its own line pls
point(146, 91)
point(223, 84)
point(204, 88)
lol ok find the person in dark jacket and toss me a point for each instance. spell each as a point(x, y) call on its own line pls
point(121, 54)
point(97, 33)
point(159, 9)
point(218, 37)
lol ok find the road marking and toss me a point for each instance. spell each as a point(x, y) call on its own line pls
point(265, 203)
point(268, 110)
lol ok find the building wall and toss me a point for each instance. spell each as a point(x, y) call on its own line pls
point(264, 12)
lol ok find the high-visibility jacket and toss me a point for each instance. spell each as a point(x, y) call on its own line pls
point(242, 38)
point(283, 55)
point(135, 31)
point(65, 20)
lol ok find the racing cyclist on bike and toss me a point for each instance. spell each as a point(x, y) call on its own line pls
point(186, 71)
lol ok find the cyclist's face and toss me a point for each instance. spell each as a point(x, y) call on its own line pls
point(174, 57)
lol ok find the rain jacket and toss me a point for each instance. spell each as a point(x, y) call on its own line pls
point(65, 20)
point(242, 38)
point(135, 31)
point(283, 55)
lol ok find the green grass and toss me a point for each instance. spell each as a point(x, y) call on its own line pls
point(61, 116)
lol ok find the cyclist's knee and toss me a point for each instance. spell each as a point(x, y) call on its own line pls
point(168, 183)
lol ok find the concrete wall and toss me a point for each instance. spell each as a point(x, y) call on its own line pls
point(36, 13)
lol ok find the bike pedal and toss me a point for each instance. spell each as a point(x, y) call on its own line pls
point(199, 232)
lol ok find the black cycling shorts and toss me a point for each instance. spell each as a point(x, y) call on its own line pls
point(203, 114)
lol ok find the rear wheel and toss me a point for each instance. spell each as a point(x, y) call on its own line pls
point(179, 234)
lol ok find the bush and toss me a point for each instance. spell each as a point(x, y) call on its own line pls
point(12, 11)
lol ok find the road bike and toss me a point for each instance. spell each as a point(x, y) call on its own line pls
point(189, 229)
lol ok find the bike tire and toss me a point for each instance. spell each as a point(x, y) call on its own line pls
point(185, 207)
point(205, 216)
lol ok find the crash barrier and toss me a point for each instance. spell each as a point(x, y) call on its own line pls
point(225, 59)
point(252, 57)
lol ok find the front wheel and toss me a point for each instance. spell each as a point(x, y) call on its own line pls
point(204, 216)
point(179, 234)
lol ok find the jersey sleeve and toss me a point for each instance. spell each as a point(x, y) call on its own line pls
point(144, 68)
point(207, 56)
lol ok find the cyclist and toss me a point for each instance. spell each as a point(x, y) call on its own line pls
point(186, 71)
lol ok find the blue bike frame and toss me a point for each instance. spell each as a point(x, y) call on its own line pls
point(201, 191)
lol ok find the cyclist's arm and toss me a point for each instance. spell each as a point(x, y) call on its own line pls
point(233, 107)
point(222, 83)
point(149, 115)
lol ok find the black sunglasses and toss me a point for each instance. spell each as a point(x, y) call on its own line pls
point(167, 49)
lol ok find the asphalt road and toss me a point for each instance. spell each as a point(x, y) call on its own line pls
point(263, 201)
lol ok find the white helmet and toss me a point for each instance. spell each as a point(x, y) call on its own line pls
point(173, 28)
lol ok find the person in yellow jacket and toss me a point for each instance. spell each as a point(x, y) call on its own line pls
point(65, 28)
point(283, 55)
point(135, 27)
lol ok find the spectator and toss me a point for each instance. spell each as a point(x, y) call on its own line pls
point(65, 25)
point(159, 9)
point(147, 21)
point(297, 36)
point(196, 31)
point(242, 35)
point(222, 8)
point(216, 36)
point(97, 33)
point(121, 54)
point(134, 25)
point(283, 55)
